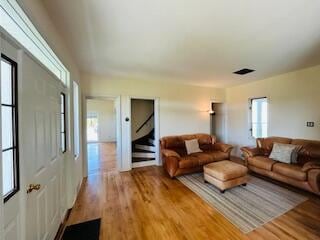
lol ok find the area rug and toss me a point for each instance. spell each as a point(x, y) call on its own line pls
point(83, 231)
point(246, 207)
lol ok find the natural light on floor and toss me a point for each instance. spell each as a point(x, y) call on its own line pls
point(92, 128)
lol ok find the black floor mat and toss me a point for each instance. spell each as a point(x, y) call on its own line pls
point(83, 231)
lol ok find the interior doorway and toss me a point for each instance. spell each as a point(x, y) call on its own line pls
point(218, 117)
point(143, 143)
point(101, 122)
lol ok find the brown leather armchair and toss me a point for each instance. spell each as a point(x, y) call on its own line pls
point(176, 161)
point(304, 174)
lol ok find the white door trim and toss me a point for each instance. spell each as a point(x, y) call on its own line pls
point(118, 126)
point(156, 132)
point(1, 202)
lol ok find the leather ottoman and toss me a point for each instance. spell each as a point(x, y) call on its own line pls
point(225, 174)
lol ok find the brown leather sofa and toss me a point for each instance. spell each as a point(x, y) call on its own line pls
point(176, 161)
point(305, 174)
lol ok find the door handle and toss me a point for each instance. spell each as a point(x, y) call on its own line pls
point(32, 187)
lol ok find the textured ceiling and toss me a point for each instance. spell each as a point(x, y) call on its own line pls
point(190, 41)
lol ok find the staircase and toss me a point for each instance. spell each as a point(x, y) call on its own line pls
point(144, 149)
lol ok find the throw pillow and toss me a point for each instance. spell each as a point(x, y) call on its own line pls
point(282, 152)
point(295, 154)
point(192, 146)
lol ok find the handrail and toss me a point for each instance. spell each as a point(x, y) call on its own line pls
point(145, 122)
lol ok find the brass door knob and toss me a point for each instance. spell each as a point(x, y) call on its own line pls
point(33, 187)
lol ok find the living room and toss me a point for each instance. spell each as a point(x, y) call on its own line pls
point(230, 151)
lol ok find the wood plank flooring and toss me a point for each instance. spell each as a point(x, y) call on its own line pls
point(146, 204)
point(102, 157)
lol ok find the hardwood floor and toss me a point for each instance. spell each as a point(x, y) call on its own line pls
point(102, 157)
point(146, 204)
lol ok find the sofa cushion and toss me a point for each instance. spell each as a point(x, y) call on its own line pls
point(266, 144)
point(289, 170)
point(188, 162)
point(180, 151)
point(310, 150)
point(203, 158)
point(261, 162)
point(311, 165)
point(171, 142)
point(217, 155)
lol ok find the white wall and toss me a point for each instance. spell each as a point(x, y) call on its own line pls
point(140, 111)
point(293, 100)
point(183, 108)
point(106, 113)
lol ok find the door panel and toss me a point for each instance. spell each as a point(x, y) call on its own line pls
point(40, 144)
point(12, 229)
point(41, 130)
point(53, 200)
point(41, 214)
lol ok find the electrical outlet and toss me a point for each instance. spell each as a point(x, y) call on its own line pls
point(310, 124)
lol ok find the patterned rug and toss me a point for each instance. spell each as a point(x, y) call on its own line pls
point(246, 207)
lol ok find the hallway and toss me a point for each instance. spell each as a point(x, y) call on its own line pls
point(101, 157)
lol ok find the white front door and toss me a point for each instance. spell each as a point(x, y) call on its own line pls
point(39, 149)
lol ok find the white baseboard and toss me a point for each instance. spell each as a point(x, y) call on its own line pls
point(144, 164)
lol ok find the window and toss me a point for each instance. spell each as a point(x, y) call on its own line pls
point(9, 126)
point(63, 123)
point(18, 25)
point(76, 120)
point(92, 127)
point(259, 117)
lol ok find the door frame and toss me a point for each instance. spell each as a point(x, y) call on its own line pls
point(156, 102)
point(115, 99)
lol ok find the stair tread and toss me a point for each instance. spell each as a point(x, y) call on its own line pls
point(143, 155)
point(145, 144)
point(142, 151)
point(142, 159)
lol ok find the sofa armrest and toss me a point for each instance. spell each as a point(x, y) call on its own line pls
point(170, 161)
point(226, 148)
point(314, 180)
point(311, 165)
point(169, 153)
point(250, 151)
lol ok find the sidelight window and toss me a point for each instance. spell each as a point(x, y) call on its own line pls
point(9, 128)
point(63, 123)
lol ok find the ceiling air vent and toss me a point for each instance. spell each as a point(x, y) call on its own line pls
point(244, 71)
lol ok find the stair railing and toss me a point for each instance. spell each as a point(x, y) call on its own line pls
point(145, 122)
